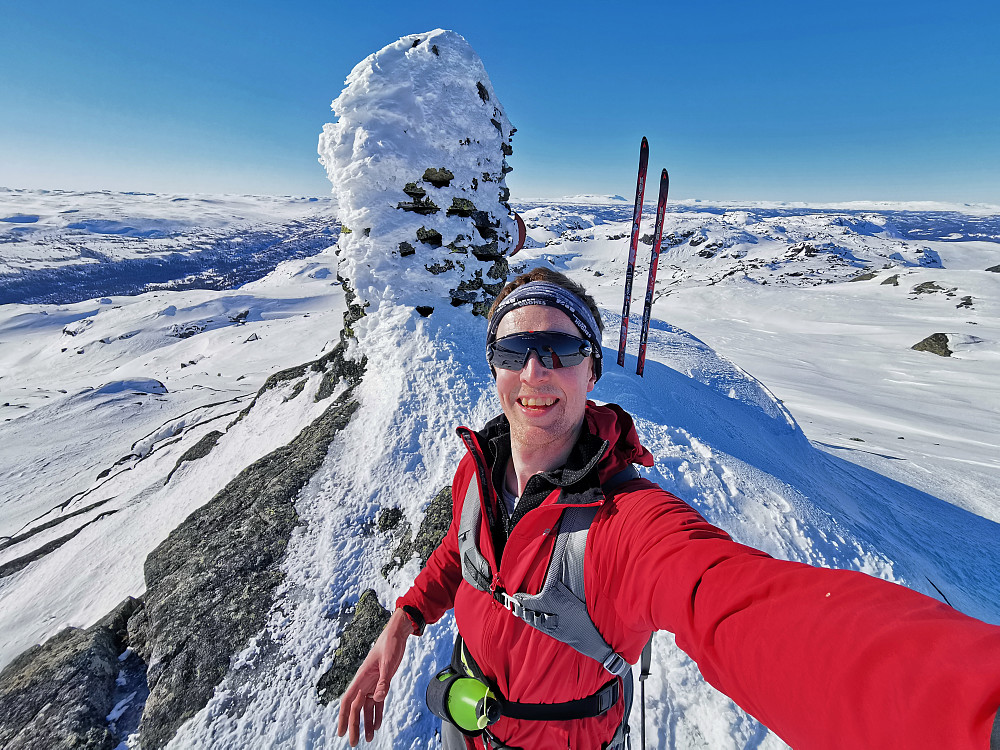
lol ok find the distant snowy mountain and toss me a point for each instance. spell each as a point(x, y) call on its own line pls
point(58, 246)
point(598, 199)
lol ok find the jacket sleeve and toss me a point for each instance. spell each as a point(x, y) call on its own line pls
point(824, 658)
point(433, 592)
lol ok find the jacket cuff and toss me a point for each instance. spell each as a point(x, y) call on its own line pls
point(415, 617)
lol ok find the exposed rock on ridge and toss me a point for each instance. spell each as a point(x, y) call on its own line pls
point(59, 694)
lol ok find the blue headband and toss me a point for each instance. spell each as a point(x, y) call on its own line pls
point(550, 295)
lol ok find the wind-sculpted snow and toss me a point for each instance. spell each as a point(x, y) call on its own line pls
point(417, 160)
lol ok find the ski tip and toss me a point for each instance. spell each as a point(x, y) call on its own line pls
point(645, 143)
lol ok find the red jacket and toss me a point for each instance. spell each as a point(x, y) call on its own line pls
point(825, 658)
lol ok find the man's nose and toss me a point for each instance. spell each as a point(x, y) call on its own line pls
point(533, 368)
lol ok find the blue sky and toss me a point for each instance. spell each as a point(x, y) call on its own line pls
point(781, 100)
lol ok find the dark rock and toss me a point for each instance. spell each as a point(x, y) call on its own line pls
point(936, 343)
point(866, 276)
point(461, 207)
point(994, 269)
point(424, 310)
point(419, 203)
point(414, 190)
point(356, 641)
point(430, 237)
point(928, 287)
point(966, 302)
point(406, 249)
point(432, 529)
point(893, 280)
point(199, 450)
point(389, 519)
point(693, 242)
point(439, 178)
point(483, 93)
point(186, 330)
point(424, 208)
point(485, 224)
point(58, 695)
point(439, 268)
point(211, 583)
point(296, 390)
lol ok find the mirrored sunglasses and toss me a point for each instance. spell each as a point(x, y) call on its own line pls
point(554, 350)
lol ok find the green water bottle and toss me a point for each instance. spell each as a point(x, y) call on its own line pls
point(468, 703)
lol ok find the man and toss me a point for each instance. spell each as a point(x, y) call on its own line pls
point(825, 658)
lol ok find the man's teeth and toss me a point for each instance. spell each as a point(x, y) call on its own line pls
point(537, 401)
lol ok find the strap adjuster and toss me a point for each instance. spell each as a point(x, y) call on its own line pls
point(616, 664)
point(510, 603)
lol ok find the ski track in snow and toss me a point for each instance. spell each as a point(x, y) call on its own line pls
point(722, 439)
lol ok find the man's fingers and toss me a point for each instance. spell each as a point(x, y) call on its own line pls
point(379, 706)
point(369, 719)
point(354, 721)
point(345, 711)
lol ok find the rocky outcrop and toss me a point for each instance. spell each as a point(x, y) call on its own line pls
point(199, 450)
point(865, 276)
point(355, 642)
point(59, 694)
point(211, 583)
point(432, 529)
point(936, 343)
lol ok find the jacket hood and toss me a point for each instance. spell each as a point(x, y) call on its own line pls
point(612, 423)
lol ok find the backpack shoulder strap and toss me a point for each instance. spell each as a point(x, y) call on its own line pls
point(560, 608)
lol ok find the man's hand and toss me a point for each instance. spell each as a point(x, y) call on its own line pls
point(370, 685)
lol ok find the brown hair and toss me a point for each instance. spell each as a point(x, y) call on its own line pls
point(553, 277)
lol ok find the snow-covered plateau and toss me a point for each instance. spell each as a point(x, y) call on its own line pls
point(782, 398)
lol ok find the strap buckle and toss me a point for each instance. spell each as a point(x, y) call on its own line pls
point(616, 664)
point(510, 603)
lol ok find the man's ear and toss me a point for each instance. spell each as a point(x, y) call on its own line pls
point(593, 378)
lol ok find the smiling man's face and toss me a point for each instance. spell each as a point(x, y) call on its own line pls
point(544, 407)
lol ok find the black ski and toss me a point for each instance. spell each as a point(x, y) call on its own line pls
point(661, 208)
point(640, 189)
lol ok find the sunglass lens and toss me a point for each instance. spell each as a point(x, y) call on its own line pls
point(554, 349)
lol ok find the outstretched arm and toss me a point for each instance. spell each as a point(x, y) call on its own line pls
point(825, 658)
point(368, 689)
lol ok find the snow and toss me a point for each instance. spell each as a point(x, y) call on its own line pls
point(774, 458)
point(421, 103)
point(780, 398)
